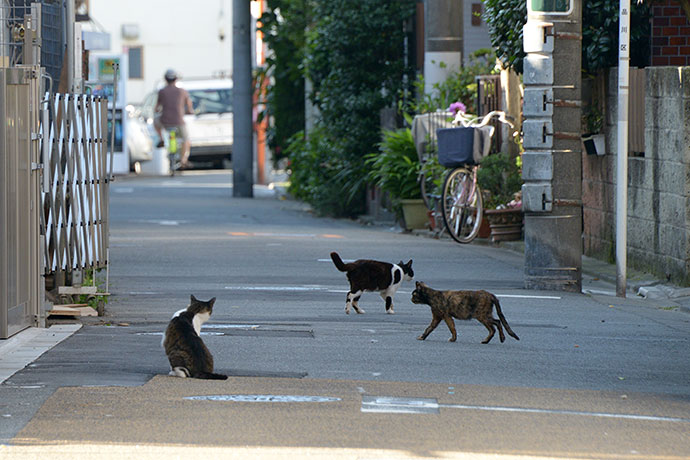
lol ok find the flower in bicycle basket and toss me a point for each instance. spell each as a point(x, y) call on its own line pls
point(456, 107)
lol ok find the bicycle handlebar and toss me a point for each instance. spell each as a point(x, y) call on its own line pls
point(474, 122)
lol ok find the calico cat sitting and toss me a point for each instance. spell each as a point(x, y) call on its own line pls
point(372, 275)
point(446, 305)
point(182, 342)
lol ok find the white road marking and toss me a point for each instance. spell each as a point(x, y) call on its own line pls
point(276, 288)
point(522, 296)
point(388, 404)
point(430, 405)
point(265, 398)
point(651, 418)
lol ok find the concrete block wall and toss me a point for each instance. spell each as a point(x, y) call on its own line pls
point(658, 181)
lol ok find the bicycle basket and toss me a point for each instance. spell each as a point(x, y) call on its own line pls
point(455, 146)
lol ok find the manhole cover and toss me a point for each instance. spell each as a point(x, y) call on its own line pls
point(265, 398)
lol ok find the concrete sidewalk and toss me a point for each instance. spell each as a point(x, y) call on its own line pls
point(22, 349)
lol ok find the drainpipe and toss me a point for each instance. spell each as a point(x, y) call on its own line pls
point(69, 13)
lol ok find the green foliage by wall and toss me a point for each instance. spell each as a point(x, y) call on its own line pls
point(355, 59)
point(284, 25)
point(506, 18)
point(460, 86)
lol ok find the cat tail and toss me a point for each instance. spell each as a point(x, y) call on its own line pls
point(339, 264)
point(211, 376)
point(503, 318)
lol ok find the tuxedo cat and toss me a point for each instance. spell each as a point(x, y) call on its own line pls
point(370, 276)
point(182, 342)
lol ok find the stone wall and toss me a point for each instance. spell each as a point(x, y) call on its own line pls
point(658, 181)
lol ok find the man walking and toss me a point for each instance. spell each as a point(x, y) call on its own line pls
point(172, 104)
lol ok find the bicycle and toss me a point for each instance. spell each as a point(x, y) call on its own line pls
point(431, 173)
point(461, 198)
point(173, 148)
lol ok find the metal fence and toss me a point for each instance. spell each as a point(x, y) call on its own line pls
point(55, 223)
point(488, 100)
point(76, 184)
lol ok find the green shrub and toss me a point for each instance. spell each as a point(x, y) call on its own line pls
point(395, 167)
point(322, 178)
point(499, 178)
point(460, 86)
point(506, 19)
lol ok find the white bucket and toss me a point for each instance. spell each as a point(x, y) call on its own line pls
point(159, 165)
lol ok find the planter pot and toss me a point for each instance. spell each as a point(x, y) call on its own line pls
point(506, 224)
point(484, 228)
point(415, 214)
point(595, 144)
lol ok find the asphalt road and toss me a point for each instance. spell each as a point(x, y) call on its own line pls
point(590, 377)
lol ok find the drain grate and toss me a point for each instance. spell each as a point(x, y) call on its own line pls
point(393, 405)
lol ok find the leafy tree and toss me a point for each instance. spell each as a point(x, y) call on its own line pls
point(354, 58)
point(505, 19)
point(600, 34)
point(284, 25)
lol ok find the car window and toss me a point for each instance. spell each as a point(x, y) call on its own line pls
point(211, 100)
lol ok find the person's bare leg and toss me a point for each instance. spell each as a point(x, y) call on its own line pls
point(186, 147)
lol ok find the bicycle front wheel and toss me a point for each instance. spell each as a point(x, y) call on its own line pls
point(462, 205)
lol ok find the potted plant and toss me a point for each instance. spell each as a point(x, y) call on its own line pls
point(593, 139)
point(394, 169)
point(500, 180)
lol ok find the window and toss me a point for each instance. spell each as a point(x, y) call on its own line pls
point(136, 62)
point(551, 6)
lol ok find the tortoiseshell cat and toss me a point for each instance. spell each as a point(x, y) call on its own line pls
point(186, 352)
point(446, 305)
point(370, 276)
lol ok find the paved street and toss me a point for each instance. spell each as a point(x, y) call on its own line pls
point(593, 376)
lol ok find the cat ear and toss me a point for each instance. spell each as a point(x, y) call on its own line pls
point(193, 299)
point(409, 263)
point(418, 284)
point(212, 301)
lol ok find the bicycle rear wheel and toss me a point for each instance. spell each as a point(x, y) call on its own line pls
point(426, 183)
point(461, 205)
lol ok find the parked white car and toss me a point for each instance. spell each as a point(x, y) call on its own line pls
point(210, 127)
point(139, 140)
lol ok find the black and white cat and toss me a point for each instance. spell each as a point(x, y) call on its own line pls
point(187, 354)
point(373, 276)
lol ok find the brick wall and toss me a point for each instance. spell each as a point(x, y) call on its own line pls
point(670, 35)
point(658, 181)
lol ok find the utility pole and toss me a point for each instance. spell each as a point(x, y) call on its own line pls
point(552, 162)
point(243, 148)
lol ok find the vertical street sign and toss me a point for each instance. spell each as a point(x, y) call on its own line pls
point(622, 154)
